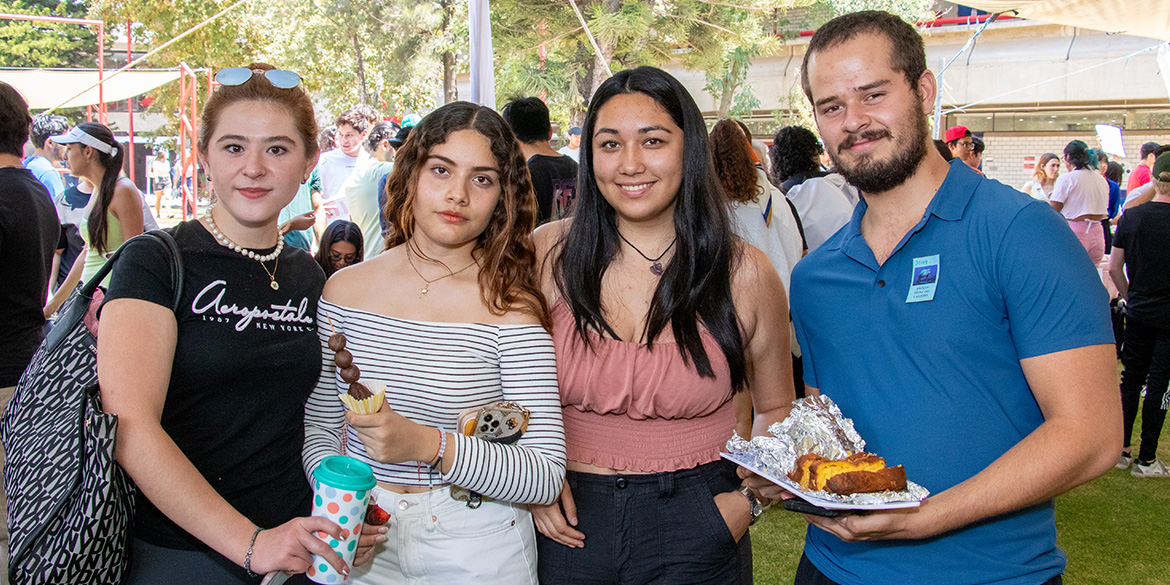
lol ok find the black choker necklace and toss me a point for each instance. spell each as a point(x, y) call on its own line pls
point(655, 264)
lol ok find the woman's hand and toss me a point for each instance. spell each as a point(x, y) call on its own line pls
point(303, 221)
point(736, 511)
point(556, 524)
point(390, 437)
point(291, 546)
point(764, 488)
point(370, 537)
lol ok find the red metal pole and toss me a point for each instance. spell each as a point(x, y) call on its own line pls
point(101, 72)
point(130, 111)
point(182, 186)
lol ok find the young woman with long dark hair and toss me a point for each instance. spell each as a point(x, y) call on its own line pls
point(115, 213)
point(210, 398)
point(449, 317)
point(660, 316)
point(341, 245)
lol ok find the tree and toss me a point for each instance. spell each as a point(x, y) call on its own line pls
point(798, 111)
point(232, 40)
point(229, 41)
point(748, 37)
point(395, 55)
point(718, 37)
point(43, 44)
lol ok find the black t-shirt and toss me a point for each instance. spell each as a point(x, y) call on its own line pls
point(28, 238)
point(1144, 234)
point(554, 178)
point(246, 359)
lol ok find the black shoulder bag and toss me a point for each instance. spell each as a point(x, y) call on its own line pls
point(70, 505)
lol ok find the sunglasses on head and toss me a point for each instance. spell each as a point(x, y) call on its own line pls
point(240, 75)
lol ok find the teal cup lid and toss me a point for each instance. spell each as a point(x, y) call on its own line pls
point(347, 473)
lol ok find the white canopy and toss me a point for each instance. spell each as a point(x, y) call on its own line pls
point(46, 88)
point(1140, 18)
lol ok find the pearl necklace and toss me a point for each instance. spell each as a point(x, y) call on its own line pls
point(225, 242)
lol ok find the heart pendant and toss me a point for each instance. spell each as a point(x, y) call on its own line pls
point(656, 268)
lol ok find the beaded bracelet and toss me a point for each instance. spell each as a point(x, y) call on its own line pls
point(248, 556)
point(442, 449)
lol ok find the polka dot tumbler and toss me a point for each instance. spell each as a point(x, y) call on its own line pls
point(341, 491)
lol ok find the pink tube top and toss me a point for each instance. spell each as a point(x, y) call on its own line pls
point(627, 407)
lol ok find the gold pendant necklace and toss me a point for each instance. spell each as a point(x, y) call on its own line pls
point(427, 283)
point(272, 275)
point(224, 241)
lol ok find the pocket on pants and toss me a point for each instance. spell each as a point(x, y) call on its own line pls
point(495, 544)
point(713, 517)
point(459, 521)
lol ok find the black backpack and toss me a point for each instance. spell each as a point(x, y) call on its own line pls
point(70, 505)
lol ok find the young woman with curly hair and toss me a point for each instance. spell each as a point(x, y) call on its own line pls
point(795, 156)
point(449, 317)
point(759, 213)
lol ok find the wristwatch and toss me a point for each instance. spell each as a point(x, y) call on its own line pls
point(757, 507)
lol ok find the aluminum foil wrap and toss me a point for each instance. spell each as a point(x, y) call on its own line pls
point(772, 454)
point(815, 425)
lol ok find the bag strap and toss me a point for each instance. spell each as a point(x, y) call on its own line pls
point(176, 265)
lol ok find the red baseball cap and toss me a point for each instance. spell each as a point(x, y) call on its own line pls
point(956, 132)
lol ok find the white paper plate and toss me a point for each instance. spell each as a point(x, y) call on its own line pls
point(817, 499)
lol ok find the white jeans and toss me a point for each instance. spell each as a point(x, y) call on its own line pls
point(435, 540)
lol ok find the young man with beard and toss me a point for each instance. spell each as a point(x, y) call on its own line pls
point(930, 320)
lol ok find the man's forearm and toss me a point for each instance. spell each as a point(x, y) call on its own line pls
point(1045, 464)
point(1078, 440)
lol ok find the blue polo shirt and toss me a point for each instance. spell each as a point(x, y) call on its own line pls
point(923, 353)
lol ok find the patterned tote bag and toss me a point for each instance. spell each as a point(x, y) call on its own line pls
point(70, 506)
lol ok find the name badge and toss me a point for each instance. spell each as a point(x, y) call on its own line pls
point(923, 280)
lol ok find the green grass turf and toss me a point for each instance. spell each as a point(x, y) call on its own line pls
point(1114, 530)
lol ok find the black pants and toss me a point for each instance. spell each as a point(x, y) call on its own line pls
point(808, 574)
point(1146, 357)
point(155, 565)
point(660, 529)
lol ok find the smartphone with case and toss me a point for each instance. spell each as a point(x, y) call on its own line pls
point(803, 507)
point(498, 422)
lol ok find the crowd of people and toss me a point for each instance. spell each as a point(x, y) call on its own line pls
point(641, 293)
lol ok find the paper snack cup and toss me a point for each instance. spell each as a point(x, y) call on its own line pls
point(341, 491)
point(369, 405)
